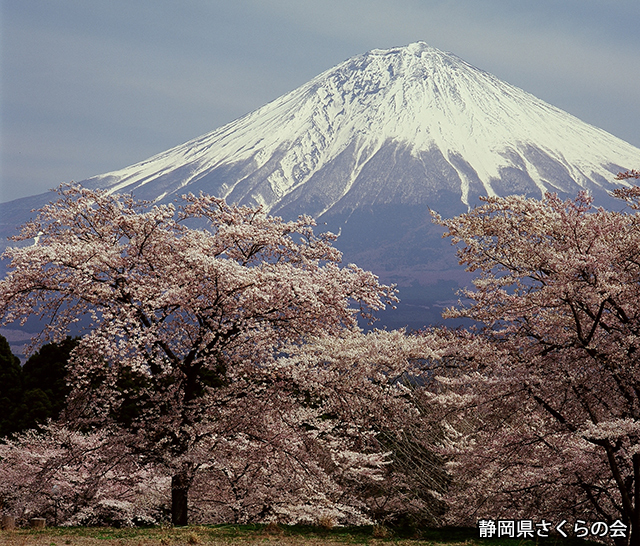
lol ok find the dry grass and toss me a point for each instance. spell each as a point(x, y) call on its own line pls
point(380, 531)
point(326, 522)
point(207, 536)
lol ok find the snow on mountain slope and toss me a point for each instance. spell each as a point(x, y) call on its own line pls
point(406, 125)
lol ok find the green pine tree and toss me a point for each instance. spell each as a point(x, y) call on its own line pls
point(44, 383)
point(11, 389)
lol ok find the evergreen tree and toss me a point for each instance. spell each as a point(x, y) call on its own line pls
point(10, 389)
point(44, 383)
point(31, 394)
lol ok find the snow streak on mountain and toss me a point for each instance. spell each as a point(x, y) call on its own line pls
point(409, 125)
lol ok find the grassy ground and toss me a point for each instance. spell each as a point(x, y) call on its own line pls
point(248, 535)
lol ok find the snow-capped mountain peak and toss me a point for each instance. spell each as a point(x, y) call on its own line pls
point(402, 125)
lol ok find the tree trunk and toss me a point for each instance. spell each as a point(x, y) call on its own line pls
point(179, 498)
point(634, 539)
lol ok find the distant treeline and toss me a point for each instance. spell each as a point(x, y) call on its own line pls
point(35, 392)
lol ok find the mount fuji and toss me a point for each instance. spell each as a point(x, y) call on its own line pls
point(369, 146)
point(409, 125)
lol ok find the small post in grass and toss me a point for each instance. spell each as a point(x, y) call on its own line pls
point(38, 523)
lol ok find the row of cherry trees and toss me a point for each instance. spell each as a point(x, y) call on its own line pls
point(224, 356)
point(549, 385)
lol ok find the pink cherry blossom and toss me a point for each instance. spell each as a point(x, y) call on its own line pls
point(545, 396)
point(190, 306)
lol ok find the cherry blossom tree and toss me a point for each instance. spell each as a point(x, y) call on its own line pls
point(546, 392)
point(75, 478)
point(628, 175)
point(325, 436)
point(365, 392)
point(189, 306)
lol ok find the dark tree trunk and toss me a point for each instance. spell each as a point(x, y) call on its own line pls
point(179, 498)
point(634, 540)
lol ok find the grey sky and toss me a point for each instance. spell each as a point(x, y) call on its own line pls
point(90, 86)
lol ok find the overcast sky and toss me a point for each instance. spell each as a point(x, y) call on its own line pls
point(91, 86)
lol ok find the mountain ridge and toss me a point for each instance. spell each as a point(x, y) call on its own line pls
point(467, 133)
